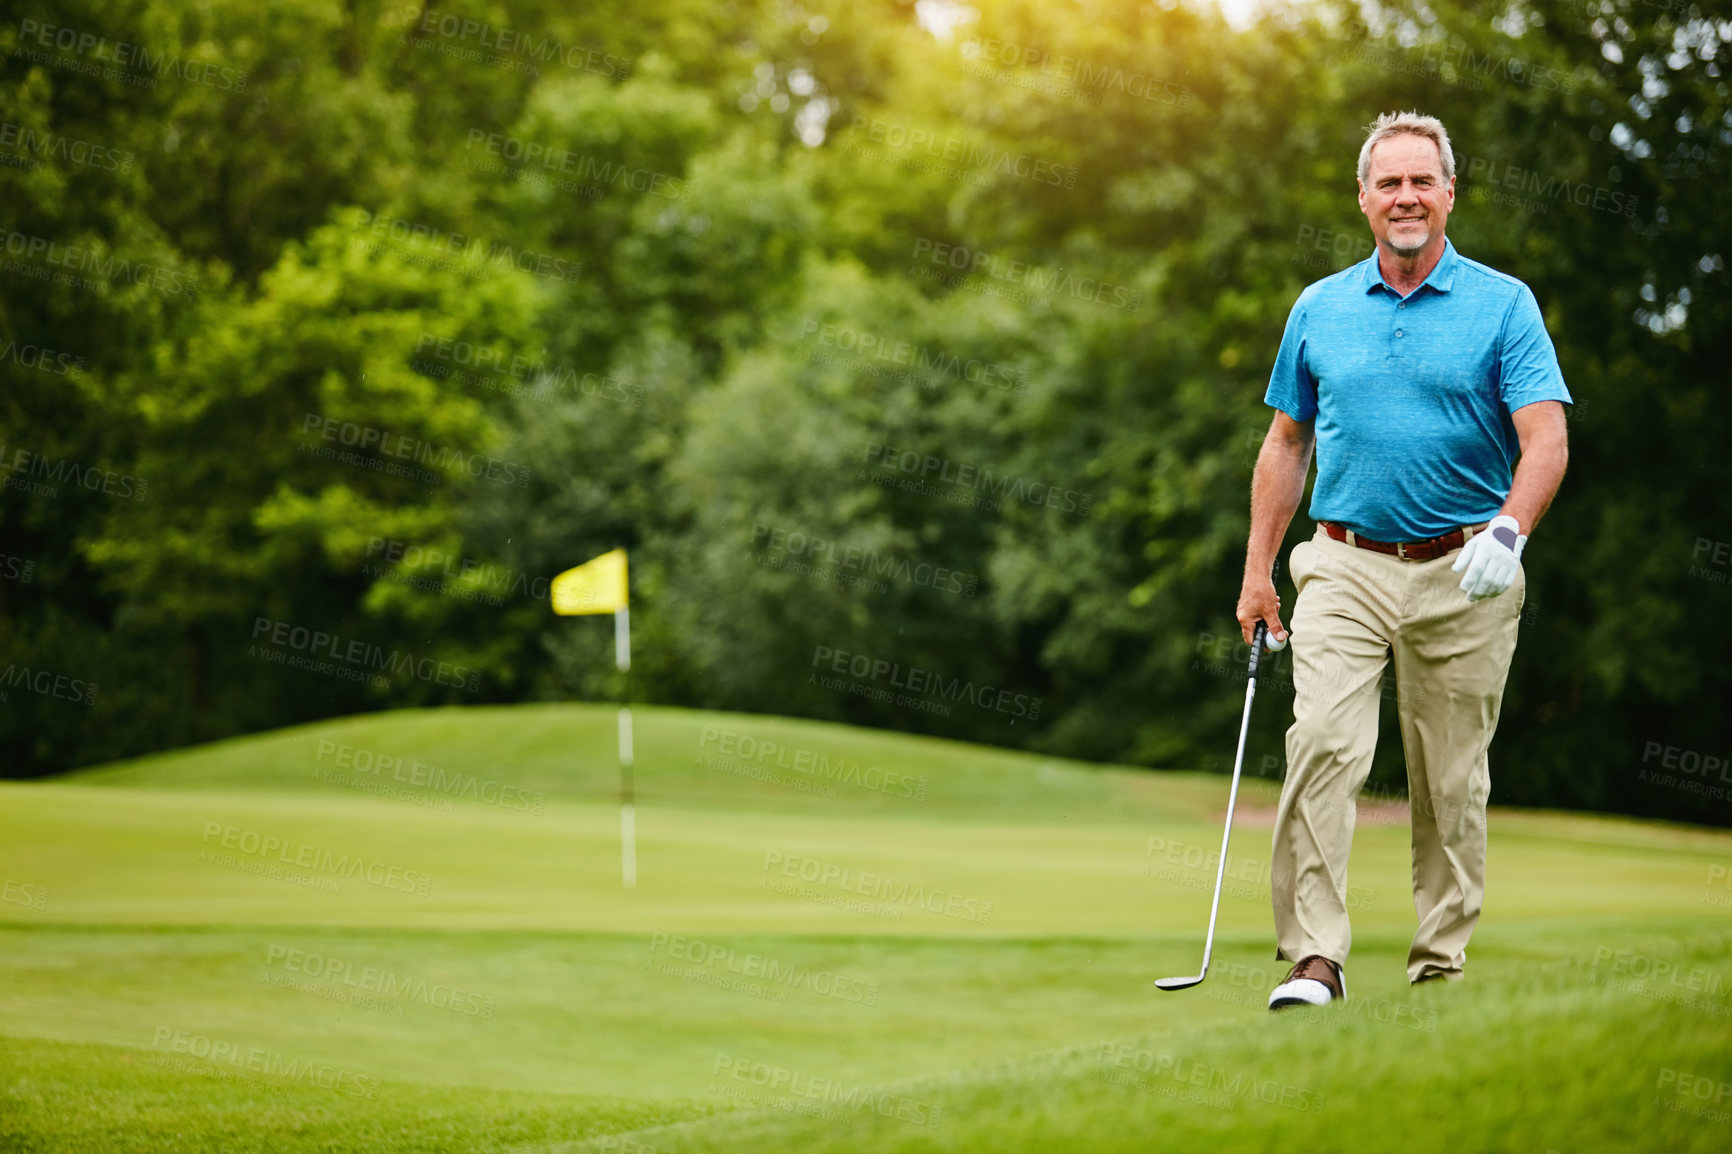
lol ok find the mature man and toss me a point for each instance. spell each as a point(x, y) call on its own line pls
point(1415, 373)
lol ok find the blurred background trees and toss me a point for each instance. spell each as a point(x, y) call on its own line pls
point(711, 281)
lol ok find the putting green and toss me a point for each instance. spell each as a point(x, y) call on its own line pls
point(407, 931)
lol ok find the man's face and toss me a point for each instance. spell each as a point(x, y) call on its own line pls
point(1404, 195)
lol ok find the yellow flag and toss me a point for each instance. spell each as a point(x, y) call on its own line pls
point(596, 586)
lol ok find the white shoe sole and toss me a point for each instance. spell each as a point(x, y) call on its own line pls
point(1303, 992)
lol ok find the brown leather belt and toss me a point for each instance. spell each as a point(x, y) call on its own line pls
point(1428, 550)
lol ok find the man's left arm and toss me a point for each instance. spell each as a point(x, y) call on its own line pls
point(1532, 386)
point(1493, 557)
point(1545, 455)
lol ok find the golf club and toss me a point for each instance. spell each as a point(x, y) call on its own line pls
point(1232, 797)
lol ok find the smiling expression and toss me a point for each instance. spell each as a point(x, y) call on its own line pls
point(1404, 195)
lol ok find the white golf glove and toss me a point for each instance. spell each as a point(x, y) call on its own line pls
point(1492, 559)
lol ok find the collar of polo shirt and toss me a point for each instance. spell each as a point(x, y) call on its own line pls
point(1441, 278)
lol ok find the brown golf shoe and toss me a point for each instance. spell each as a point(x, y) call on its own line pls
point(1314, 981)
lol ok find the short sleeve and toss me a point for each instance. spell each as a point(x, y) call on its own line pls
point(1527, 363)
point(1291, 388)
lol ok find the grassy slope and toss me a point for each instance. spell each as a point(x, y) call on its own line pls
point(570, 751)
point(593, 1030)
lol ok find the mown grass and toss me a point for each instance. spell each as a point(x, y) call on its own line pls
point(988, 989)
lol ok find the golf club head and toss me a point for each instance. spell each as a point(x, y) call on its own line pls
point(1178, 983)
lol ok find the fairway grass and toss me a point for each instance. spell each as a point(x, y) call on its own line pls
point(952, 953)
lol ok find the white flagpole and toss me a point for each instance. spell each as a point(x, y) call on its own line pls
point(627, 808)
point(622, 638)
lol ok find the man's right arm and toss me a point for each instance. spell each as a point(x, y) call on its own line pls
point(1277, 487)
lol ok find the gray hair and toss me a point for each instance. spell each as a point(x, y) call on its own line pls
point(1412, 124)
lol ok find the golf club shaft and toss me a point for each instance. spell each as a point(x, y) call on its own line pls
point(1232, 799)
point(1258, 636)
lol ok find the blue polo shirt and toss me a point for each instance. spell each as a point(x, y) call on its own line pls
point(1413, 395)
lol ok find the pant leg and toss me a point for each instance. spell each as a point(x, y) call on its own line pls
point(1341, 625)
point(1452, 658)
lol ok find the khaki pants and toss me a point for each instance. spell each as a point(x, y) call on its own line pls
point(1355, 610)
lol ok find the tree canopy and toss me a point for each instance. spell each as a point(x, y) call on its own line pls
point(917, 357)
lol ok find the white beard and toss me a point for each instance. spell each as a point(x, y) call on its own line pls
point(1417, 247)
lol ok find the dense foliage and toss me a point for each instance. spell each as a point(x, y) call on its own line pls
point(917, 362)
